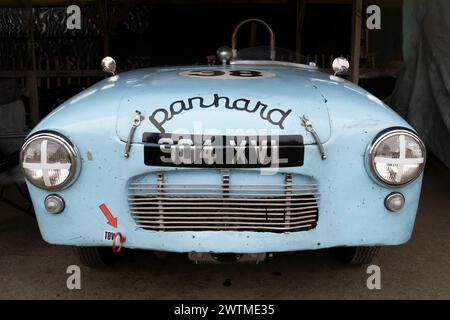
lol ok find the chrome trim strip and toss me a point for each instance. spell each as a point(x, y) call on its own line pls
point(239, 194)
point(220, 215)
point(228, 189)
point(206, 199)
point(210, 184)
point(219, 207)
point(231, 228)
point(263, 224)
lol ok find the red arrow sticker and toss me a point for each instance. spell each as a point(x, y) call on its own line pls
point(111, 220)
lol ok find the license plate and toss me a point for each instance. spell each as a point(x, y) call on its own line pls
point(218, 151)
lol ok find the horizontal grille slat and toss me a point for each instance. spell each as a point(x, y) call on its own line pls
point(150, 209)
point(240, 194)
point(210, 184)
point(228, 223)
point(265, 200)
point(231, 228)
point(136, 213)
point(278, 207)
point(220, 190)
point(271, 218)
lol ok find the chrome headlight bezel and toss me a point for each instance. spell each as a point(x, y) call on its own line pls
point(69, 147)
point(382, 137)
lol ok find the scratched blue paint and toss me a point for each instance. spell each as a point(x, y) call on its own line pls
point(347, 118)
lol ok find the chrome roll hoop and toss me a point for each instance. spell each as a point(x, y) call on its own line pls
point(238, 27)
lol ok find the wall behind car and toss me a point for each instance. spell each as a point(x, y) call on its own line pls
point(38, 50)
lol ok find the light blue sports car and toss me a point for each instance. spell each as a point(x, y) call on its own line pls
point(227, 163)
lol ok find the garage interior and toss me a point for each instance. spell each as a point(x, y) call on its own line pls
point(42, 64)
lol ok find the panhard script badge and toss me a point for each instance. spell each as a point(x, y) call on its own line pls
point(274, 116)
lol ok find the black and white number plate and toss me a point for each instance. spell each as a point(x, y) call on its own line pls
point(187, 150)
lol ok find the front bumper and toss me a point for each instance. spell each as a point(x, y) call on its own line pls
point(351, 213)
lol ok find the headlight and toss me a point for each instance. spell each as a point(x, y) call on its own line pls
point(397, 157)
point(49, 161)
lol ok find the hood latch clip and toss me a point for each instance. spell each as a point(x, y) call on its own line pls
point(136, 122)
point(310, 128)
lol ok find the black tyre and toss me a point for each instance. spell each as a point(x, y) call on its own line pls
point(359, 255)
point(95, 257)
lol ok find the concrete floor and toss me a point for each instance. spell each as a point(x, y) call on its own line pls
point(31, 268)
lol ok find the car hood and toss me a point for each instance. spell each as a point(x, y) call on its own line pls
point(172, 100)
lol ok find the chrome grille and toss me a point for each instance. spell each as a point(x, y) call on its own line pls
point(280, 207)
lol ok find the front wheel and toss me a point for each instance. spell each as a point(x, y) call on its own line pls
point(95, 257)
point(359, 255)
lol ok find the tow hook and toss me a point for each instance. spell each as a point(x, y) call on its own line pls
point(118, 247)
point(310, 128)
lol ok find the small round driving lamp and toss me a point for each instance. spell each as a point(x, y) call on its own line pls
point(397, 157)
point(395, 202)
point(340, 66)
point(54, 204)
point(109, 65)
point(224, 54)
point(49, 161)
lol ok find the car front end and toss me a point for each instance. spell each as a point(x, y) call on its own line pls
point(172, 160)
